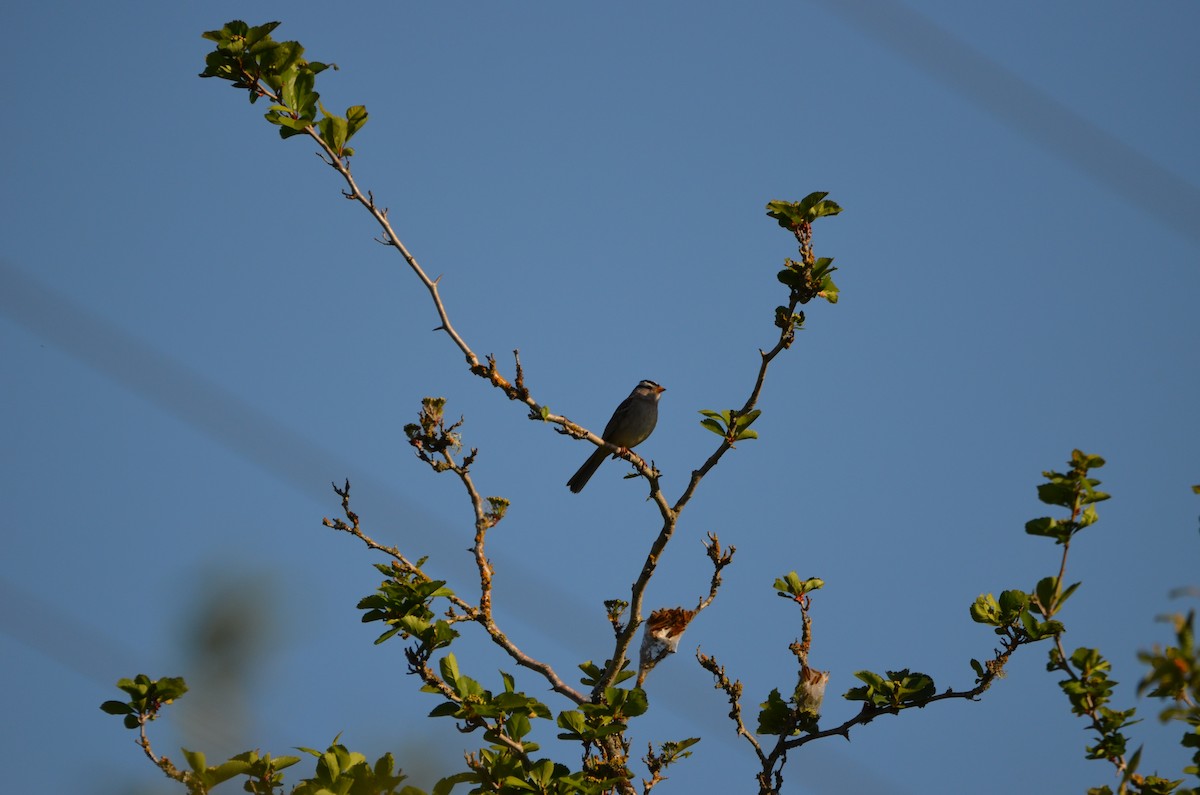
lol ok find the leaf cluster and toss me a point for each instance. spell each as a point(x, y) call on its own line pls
point(1073, 490)
point(474, 706)
point(1027, 617)
point(1015, 613)
point(1174, 677)
point(338, 771)
point(894, 691)
point(264, 773)
point(795, 215)
point(430, 434)
point(790, 586)
point(403, 601)
point(731, 424)
point(345, 772)
point(780, 717)
point(250, 59)
point(809, 277)
point(147, 697)
point(1089, 689)
point(506, 719)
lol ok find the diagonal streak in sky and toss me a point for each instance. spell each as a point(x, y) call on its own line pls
point(1028, 109)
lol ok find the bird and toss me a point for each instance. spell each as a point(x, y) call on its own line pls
point(631, 424)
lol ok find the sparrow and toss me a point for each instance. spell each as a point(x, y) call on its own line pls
point(631, 424)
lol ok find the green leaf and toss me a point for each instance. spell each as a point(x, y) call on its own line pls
point(386, 635)
point(449, 668)
point(1088, 660)
point(170, 688)
point(356, 117)
point(1031, 626)
point(288, 125)
point(986, 610)
point(775, 717)
point(916, 686)
point(229, 769)
point(259, 33)
point(623, 675)
point(468, 688)
point(297, 92)
point(636, 703)
point(331, 765)
point(829, 290)
point(232, 28)
point(445, 785)
point(542, 772)
point(518, 725)
point(1047, 595)
point(1057, 493)
point(870, 677)
point(746, 420)
point(333, 131)
point(413, 625)
point(791, 278)
point(136, 687)
point(116, 708)
point(1012, 602)
point(742, 425)
point(591, 673)
point(871, 692)
point(195, 759)
point(1066, 594)
point(513, 783)
point(1047, 527)
point(574, 722)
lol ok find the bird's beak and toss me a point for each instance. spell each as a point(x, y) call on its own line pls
point(660, 389)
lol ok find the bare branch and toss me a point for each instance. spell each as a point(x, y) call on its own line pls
point(733, 691)
point(719, 560)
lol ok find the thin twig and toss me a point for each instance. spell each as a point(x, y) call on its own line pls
point(161, 762)
point(748, 406)
point(484, 615)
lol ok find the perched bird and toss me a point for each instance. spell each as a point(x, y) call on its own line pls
point(631, 424)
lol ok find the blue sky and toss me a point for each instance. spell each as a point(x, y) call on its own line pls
point(198, 335)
